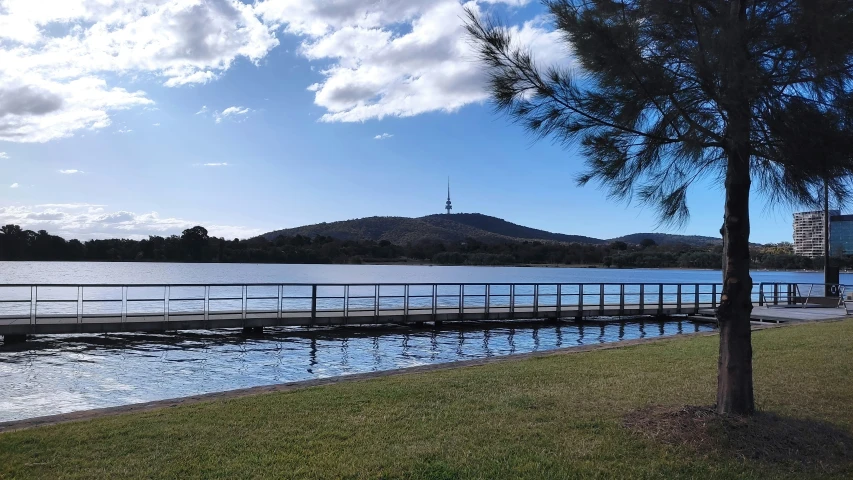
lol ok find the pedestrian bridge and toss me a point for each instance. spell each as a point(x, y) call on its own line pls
point(102, 308)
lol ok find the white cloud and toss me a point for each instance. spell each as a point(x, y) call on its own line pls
point(4, 155)
point(70, 171)
point(230, 112)
point(383, 136)
point(156, 124)
point(57, 57)
point(14, 185)
point(67, 64)
point(217, 164)
point(124, 130)
point(85, 221)
point(376, 71)
point(202, 110)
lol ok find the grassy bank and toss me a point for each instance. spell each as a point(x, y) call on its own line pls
point(552, 417)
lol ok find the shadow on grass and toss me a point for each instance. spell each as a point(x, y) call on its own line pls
point(792, 443)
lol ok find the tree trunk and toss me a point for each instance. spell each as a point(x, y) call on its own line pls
point(734, 371)
point(734, 375)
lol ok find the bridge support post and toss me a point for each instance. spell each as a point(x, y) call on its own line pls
point(253, 330)
point(14, 339)
point(438, 323)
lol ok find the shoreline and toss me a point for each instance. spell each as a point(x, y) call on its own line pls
point(429, 264)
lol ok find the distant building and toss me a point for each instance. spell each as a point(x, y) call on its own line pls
point(809, 234)
point(448, 206)
point(840, 235)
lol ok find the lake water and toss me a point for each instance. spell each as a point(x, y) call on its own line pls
point(63, 373)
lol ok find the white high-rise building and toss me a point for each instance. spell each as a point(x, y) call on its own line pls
point(809, 232)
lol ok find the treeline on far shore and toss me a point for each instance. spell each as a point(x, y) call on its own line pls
point(195, 245)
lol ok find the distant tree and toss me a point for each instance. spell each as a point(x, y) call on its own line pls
point(195, 241)
point(619, 245)
point(647, 242)
point(676, 90)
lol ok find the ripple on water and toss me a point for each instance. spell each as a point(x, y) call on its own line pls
point(66, 373)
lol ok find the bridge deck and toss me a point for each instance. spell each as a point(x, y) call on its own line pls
point(101, 323)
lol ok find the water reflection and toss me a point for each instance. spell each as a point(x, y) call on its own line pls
point(57, 374)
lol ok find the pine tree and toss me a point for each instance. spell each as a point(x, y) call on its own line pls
point(665, 92)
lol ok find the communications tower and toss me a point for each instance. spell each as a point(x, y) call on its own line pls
point(448, 206)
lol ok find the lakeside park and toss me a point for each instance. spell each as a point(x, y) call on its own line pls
point(137, 343)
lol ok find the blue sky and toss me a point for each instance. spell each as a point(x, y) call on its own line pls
point(292, 96)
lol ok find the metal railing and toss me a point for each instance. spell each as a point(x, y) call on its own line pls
point(802, 294)
point(125, 303)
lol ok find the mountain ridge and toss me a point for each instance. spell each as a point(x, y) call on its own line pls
point(459, 227)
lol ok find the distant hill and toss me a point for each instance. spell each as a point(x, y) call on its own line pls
point(668, 239)
point(445, 228)
point(459, 226)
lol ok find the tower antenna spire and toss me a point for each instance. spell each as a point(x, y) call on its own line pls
point(448, 206)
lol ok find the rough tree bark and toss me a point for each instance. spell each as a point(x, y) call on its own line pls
point(734, 374)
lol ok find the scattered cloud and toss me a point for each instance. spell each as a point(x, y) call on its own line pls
point(216, 164)
point(4, 155)
point(202, 110)
point(14, 185)
point(383, 136)
point(232, 112)
point(67, 67)
point(64, 63)
point(156, 124)
point(398, 57)
point(71, 171)
point(124, 130)
point(85, 221)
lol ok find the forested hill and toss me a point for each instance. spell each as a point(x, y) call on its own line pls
point(458, 227)
point(444, 228)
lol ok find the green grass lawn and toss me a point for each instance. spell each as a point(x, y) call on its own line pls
point(558, 416)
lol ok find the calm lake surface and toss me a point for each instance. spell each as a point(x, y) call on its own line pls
point(63, 373)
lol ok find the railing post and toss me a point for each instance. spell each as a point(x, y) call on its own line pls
point(34, 304)
point(761, 294)
point(79, 304)
point(621, 299)
point(714, 296)
point(775, 294)
point(346, 301)
point(406, 301)
point(790, 294)
point(642, 298)
point(279, 300)
point(314, 301)
point(434, 300)
point(166, 305)
point(488, 298)
point(559, 300)
point(535, 299)
point(461, 301)
point(696, 300)
point(244, 302)
point(512, 300)
point(580, 300)
point(207, 303)
point(601, 300)
point(660, 298)
point(678, 302)
point(123, 303)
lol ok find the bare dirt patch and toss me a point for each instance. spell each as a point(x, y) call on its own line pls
point(764, 437)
